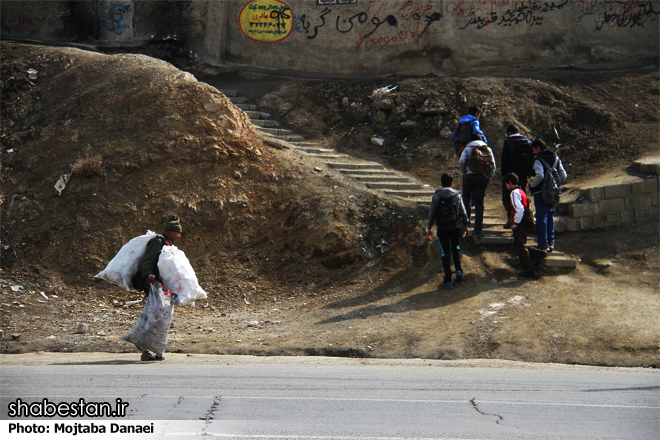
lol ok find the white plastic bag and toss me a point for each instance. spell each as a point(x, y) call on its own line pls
point(125, 264)
point(150, 331)
point(179, 276)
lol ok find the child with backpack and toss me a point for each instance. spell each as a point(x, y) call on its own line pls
point(467, 125)
point(477, 164)
point(521, 224)
point(546, 190)
point(518, 158)
point(451, 221)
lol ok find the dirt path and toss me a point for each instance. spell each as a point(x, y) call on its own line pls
point(600, 314)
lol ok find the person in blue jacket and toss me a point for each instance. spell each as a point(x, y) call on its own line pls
point(471, 119)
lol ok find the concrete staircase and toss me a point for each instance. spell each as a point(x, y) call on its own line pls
point(372, 174)
point(375, 176)
point(496, 235)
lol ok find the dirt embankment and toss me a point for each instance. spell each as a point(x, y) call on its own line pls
point(595, 119)
point(297, 261)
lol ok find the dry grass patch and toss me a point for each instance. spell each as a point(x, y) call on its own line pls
point(88, 166)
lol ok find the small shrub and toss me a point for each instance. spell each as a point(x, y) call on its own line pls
point(88, 166)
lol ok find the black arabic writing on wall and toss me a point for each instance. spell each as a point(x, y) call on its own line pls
point(482, 13)
point(620, 13)
point(382, 23)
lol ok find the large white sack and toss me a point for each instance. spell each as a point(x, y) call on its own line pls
point(150, 332)
point(120, 270)
point(179, 276)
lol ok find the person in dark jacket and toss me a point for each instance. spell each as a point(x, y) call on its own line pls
point(148, 272)
point(545, 214)
point(517, 157)
point(448, 234)
point(472, 118)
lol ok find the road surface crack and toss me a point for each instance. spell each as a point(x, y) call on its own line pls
point(210, 414)
point(474, 405)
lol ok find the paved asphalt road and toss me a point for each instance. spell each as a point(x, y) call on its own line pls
point(327, 398)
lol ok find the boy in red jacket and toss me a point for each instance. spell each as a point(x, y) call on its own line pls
point(521, 224)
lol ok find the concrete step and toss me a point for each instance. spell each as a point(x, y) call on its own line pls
point(410, 193)
point(229, 93)
point(556, 259)
point(264, 123)
point(284, 138)
point(316, 150)
point(494, 240)
point(300, 145)
point(374, 173)
point(253, 114)
point(379, 179)
point(394, 186)
point(493, 224)
point(494, 232)
point(329, 156)
point(238, 99)
point(490, 219)
point(650, 164)
point(246, 107)
point(357, 166)
point(279, 132)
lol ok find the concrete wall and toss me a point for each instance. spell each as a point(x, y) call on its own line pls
point(357, 36)
point(421, 36)
point(625, 200)
point(50, 20)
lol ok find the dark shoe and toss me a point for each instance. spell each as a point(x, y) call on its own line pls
point(479, 234)
point(447, 285)
point(459, 275)
point(551, 248)
point(150, 356)
point(540, 256)
point(528, 274)
point(507, 225)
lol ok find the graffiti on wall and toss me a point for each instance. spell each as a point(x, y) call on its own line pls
point(26, 21)
point(482, 13)
point(27, 16)
point(620, 13)
point(382, 23)
point(116, 19)
point(335, 2)
point(266, 21)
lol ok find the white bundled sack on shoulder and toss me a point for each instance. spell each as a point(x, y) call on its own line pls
point(150, 332)
point(178, 275)
point(120, 270)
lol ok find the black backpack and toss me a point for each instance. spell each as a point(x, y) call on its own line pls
point(462, 137)
point(446, 214)
point(551, 189)
point(522, 158)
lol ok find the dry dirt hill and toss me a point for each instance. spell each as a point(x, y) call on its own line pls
point(597, 118)
point(297, 261)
